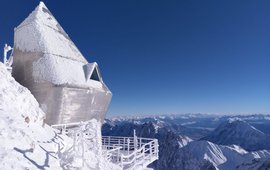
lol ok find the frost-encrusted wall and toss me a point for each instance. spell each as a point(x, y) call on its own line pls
point(49, 64)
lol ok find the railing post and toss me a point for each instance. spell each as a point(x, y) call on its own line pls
point(135, 146)
point(128, 142)
point(118, 152)
point(135, 160)
point(109, 141)
point(156, 143)
point(151, 148)
point(125, 144)
point(143, 152)
point(83, 143)
point(135, 140)
point(121, 157)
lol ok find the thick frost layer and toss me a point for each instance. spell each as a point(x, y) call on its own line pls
point(60, 70)
point(87, 153)
point(60, 62)
point(44, 34)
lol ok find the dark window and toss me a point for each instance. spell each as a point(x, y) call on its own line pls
point(94, 75)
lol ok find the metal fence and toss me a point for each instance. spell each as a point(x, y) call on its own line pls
point(130, 152)
point(127, 152)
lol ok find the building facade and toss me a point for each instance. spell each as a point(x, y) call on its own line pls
point(47, 62)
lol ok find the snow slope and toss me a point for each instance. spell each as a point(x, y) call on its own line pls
point(23, 136)
point(238, 132)
point(28, 143)
point(200, 154)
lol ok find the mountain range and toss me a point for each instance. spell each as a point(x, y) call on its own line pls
point(233, 144)
point(239, 132)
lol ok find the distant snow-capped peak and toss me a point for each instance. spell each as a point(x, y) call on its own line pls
point(238, 132)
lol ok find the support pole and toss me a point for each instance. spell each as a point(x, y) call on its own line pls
point(135, 140)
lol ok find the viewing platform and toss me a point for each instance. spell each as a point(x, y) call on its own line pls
point(130, 152)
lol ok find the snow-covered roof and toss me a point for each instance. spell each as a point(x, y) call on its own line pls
point(44, 34)
point(62, 71)
point(61, 61)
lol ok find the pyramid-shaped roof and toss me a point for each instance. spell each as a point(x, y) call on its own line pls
point(59, 62)
point(44, 34)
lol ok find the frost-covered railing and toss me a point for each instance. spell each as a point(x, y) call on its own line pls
point(127, 152)
point(130, 152)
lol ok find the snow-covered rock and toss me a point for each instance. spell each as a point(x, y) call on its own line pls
point(261, 164)
point(198, 154)
point(239, 132)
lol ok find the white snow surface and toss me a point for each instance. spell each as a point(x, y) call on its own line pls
point(44, 34)
point(61, 62)
point(221, 157)
point(28, 143)
point(183, 140)
point(239, 132)
point(60, 70)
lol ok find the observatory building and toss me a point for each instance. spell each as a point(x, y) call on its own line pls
point(70, 90)
point(47, 62)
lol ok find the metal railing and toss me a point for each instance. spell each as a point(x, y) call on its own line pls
point(127, 152)
point(130, 152)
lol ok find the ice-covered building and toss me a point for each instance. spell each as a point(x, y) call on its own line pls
point(71, 91)
point(47, 62)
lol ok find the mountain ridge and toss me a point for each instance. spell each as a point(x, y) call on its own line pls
point(239, 132)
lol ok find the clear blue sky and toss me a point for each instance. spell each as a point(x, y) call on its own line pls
point(162, 57)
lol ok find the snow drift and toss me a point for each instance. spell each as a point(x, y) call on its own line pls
point(23, 136)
